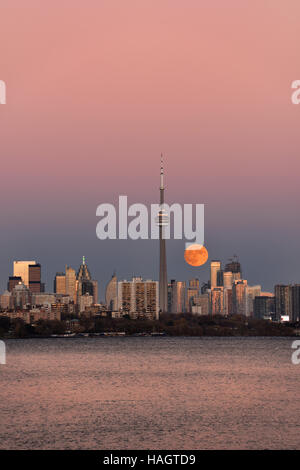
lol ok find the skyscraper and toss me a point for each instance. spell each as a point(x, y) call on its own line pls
point(60, 283)
point(234, 267)
point(227, 279)
point(71, 283)
point(111, 293)
point(178, 296)
point(295, 310)
point(83, 271)
point(227, 301)
point(21, 268)
point(34, 274)
point(264, 306)
point(95, 291)
point(251, 293)
point(215, 267)
point(85, 283)
point(217, 301)
point(162, 222)
point(283, 301)
point(239, 297)
point(191, 292)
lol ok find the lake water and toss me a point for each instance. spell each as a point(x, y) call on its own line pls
point(150, 393)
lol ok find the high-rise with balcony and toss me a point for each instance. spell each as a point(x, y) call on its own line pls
point(138, 297)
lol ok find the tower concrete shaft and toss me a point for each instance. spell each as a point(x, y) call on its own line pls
point(163, 221)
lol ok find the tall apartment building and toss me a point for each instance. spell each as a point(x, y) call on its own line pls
point(251, 293)
point(228, 309)
point(178, 293)
point(217, 301)
point(60, 283)
point(239, 297)
point(138, 297)
point(295, 310)
point(283, 301)
point(95, 291)
point(215, 267)
point(227, 279)
point(191, 292)
point(201, 304)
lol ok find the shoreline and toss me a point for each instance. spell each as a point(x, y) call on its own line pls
point(146, 336)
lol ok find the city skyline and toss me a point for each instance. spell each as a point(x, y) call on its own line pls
point(230, 135)
point(210, 265)
point(226, 293)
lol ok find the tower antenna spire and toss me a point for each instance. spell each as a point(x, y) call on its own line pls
point(161, 172)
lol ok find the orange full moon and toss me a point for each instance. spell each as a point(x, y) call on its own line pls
point(196, 255)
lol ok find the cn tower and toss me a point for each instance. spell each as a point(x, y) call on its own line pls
point(162, 222)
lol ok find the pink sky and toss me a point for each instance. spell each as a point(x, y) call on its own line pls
point(96, 90)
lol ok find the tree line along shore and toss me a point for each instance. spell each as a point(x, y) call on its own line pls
point(168, 324)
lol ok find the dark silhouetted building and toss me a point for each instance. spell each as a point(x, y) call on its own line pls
point(264, 307)
point(295, 311)
point(34, 274)
point(220, 278)
point(283, 301)
point(111, 293)
point(12, 282)
point(85, 283)
point(234, 267)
